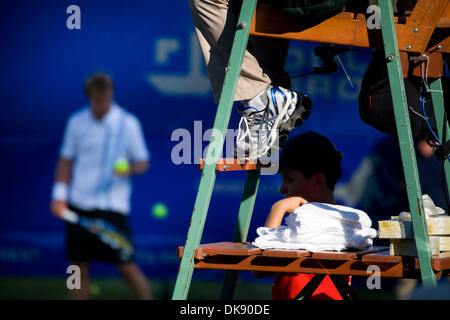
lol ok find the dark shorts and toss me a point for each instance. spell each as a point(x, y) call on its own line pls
point(81, 245)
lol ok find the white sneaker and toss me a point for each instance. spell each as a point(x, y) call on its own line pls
point(268, 117)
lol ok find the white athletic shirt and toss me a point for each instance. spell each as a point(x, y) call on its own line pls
point(95, 146)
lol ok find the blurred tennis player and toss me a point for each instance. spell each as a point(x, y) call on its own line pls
point(103, 147)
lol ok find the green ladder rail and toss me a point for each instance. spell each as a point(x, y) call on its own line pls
point(406, 142)
point(441, 123)
point(253, 177)
point(214, 151)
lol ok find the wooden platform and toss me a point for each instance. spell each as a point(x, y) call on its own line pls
point(246, 257)
point(425, 30)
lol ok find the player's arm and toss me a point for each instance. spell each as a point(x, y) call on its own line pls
point(132, 169)
point(139, 167)
point(137, 151)
point(63, 175)
point(63, 170)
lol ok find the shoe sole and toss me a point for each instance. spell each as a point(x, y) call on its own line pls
point(301, 113)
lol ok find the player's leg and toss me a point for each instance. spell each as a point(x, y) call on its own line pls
point(99, 251)
point(136, 280)
point(271, 54)
point(77, 252)
point(276, 110)
point(266, 110)
point(215, 23)
point(83, 293)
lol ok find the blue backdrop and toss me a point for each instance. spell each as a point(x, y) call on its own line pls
point(150, 49)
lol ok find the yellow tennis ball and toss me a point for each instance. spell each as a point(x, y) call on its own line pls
point(122, 166)
point(160, 210)
point(94, 289)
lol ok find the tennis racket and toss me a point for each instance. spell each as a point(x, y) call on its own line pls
point(103, 230)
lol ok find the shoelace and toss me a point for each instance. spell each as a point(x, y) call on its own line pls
point(264, 123)
point(276, 118)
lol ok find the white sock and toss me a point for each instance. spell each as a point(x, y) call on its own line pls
point(260, 101)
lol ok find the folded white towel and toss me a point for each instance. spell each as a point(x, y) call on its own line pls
point(317, 227)
point(428, 206)
point(314, 210)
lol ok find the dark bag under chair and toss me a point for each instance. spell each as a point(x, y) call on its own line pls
point(375, 101)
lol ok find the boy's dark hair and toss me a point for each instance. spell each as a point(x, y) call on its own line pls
point(98, 82)
point(312, 153)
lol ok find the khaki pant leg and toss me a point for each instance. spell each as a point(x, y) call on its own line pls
point(215, 23)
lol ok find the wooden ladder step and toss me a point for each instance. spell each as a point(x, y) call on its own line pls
point(348, 255)
point(230, 164)
point(440, 261)
point(381, 257)
point(223, 248)
point(280, 253)
point(247, 249)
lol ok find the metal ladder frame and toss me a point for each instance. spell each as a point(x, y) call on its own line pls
point(253, 177)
